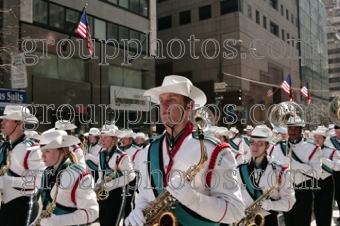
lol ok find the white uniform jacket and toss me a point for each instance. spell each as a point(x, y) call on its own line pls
point(76, 201)
point(307, 163)
point(330, 161)
point(220, 197)
point(76, 149)
point(240, 158)
point(246, 148)
point(236, 143)
point(132, 150)
point(282, 198)
point(26, 164)
point(115, 161)
point(92, 156)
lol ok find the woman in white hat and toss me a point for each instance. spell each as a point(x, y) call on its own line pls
point(115, 164)
point(223, 134)
point(323, 197)
point(93, 152)
point(65, 183)
point(259, 175)
point(234, 141)
point(177, 150)
point(19, 156)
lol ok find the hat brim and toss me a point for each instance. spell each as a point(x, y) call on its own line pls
point(17, 116)
point(181, 88)
point(61, 142)
point(281, 129)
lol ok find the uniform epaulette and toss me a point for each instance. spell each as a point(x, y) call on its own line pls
point(119, 151)
point(29, 142)
point(311, 142)
point(210, 138)
point(135, 146)
point(77, 168)
point(275, 162)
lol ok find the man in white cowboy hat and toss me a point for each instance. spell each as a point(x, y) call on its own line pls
point(334, 141)
point(177, 150)
point(305, 163)
point(260, 174)
point(24, 155)
point(323, 197)
point(93, 152)
point(245, 142)
point(116, 163)
point(77, 150)
point(141, 138)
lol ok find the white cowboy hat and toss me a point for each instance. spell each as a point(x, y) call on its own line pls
point(49, 135)
point(32, 135)
point(141, 135)
point(127, 133)
point(64, 125)
point(234, 130)
point(249, 127)
point(295, 121)
point(62, 142)
point(179, 85)
point(108, 127)
point(112, 133)
point(320, 131)
point(280, 129)
point(222, 131)
point(262, 132)
point(306, 131)
point(19, 113)
point(93, 132)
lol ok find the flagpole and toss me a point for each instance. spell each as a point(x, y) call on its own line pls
point(64, 46)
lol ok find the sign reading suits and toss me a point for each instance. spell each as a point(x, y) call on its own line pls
point(8, 96)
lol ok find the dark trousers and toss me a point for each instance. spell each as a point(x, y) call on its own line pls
point(130, 198)
point(109, 209)
point(301, 212)
point(336, 177)
point(16, 211)
point(271, 220)
point(323, 202)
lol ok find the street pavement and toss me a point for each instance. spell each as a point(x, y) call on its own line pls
point(334, 222)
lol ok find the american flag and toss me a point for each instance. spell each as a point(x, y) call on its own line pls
point(287, 87)
point(84, 32)
point(269, 93)
point(305, 92)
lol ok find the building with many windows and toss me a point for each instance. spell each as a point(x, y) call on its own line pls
point(269, 26)
point(73, 77)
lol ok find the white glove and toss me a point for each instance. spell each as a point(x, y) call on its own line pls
point(135, 218)
point(267, 205)
point(182, 190)
point(51, 221)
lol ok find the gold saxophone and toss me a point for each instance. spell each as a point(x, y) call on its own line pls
point(6, 167)
point(101, 192)
point(49, 209)
point(253, 216)
point(157, 212)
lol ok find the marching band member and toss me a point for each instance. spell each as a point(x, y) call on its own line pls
point(245, 142)
point(223, 134)
point(116, 164)
point(140, 139)
point(177, 149)
point(334, 141)
point(95, 147)
point(131, 150)
point(20, 155)
point(257, 177)
point(305, 166)
point(79, 153)
point(323, 197)
point(65, 184)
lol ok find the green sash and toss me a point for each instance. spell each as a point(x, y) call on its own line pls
point(185, 216)
point(233, 145)
point(335, 143)
point(246, 139)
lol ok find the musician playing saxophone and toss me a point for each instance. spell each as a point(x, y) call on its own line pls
point(259, 175)
point(76, 202)
point(211, 198)
point(23, 156)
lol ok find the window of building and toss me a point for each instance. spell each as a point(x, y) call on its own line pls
point(99, 29)
point(257, 17)
point(274, 29)
point(124, 3)
point(292, 18)
point(164, 23)
point(288, 38)
point(205, 12)
point(90, 19)
point(140, 7)
point(120, 76)
point(134, 35)
point(71, 19)
point(113, 1)
point(159, 1)
point(40, 11)
point(282, 11)
point(293, 41)
point(112, 31)
point(229, 6)
point(144, 7)
point(287, 14)
point(123, 34)
point(265, 22)
point(283, 34)
point(134, 6)
point(56, 16)
point(273, 3)
point(185, 17)
point(249, 12)
point(67, 69)
point(240, 6)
